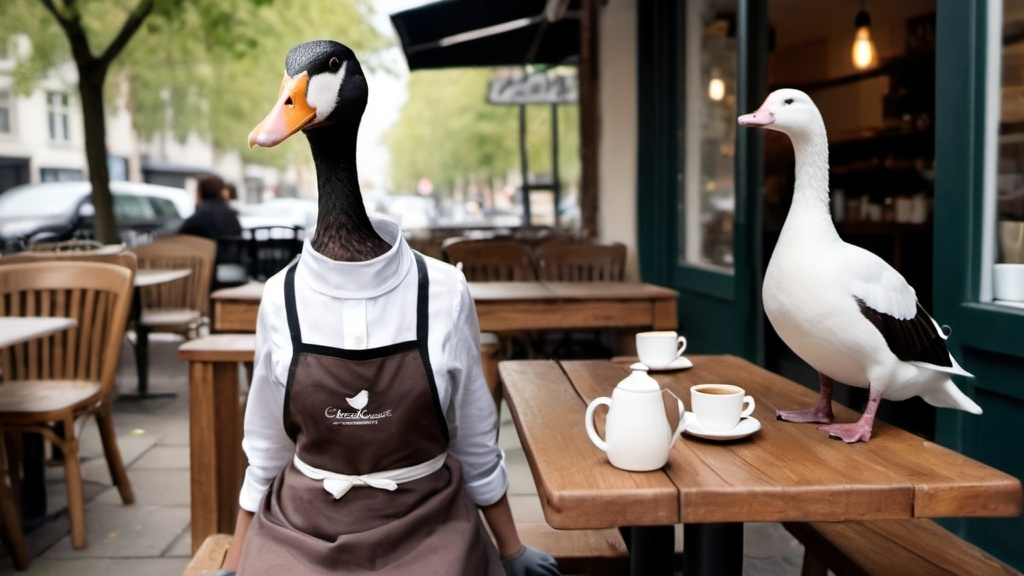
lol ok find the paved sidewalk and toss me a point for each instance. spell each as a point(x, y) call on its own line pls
point(152, 537)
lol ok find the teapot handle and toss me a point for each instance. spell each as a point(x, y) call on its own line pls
point(591, 431)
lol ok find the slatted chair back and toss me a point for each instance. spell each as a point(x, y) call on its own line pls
point(177, 251)
point(99, 301)
point(122, 258)
point(52, 382)
point(271, 248)
point(490, 260)
point(581, 262)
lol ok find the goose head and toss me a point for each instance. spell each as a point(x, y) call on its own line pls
point(788, 111)
point(323, 85)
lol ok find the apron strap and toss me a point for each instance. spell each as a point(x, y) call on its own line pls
point(422, 331)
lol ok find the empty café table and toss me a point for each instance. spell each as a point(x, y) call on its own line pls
point(145, 277)
point(18, 329)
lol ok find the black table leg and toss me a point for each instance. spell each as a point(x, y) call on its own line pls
point(651, 549)
point(713, 549)
point(33, 483)
point(141, 356)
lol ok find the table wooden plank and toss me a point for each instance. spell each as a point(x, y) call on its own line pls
point(502, 316)
point(215, 429)
point(589, 493)
point(235, 308)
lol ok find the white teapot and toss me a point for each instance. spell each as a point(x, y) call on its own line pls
point(637, 432)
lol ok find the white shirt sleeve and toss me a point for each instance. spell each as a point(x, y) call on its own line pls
point(266, 445)
point(472, 417)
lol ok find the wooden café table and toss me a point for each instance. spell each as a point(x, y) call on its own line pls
point(783, 472)
point(509, 306)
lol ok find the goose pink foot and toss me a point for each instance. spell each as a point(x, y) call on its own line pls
point(859, 431)
point(849, 433)
point(821, 413)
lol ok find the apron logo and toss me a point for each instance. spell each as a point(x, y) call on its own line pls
point(358, 418)
point(359, 400)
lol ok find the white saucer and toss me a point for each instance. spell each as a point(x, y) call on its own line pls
point(680, 363)
point(747, 426)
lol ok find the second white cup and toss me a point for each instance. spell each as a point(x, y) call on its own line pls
point(719, 407)
point(659, 349)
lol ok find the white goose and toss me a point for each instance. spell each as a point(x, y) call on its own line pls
point(843, 310)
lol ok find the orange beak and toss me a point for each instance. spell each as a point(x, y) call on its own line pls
point(291, 114)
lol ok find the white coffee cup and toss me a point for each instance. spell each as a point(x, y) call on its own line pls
point(719, 407)
point(659, 349)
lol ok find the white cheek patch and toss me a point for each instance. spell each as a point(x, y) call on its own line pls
point(322, 92)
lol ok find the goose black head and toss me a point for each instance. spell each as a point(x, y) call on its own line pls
point(323, 85)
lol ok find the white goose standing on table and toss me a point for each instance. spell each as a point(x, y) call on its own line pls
point(842, 309)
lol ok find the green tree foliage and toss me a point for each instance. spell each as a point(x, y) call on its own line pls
point(208, 66)
point(447, 131)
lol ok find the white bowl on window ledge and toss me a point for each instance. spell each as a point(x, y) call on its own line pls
point(1008, 282)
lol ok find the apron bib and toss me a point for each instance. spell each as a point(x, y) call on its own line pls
point(368, 427)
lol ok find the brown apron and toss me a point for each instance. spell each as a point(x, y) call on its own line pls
point(362, 412)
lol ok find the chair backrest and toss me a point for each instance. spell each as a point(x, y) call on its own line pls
point(581, 262)
point(179, 251)
point(271, 248)
point(96, 294)
point(490, 260)
point(122, 258)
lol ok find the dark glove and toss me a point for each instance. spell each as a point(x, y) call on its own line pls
point(530, 562)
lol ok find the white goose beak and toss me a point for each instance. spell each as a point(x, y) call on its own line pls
point(763, 116)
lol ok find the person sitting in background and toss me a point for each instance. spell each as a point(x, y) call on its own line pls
point(216, 220)
point(213, 217)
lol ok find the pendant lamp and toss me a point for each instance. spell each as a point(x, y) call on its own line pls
point(864, 54)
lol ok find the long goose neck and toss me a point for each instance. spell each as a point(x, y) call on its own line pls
point(810, 189)
point(343, 230)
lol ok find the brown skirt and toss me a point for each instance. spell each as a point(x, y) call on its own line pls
point(428, 526)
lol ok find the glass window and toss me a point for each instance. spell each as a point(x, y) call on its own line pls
point(60, 175)
point(5, 112)
point(709, 197)
point(164, 208)
point(57, 106)
point(1008, 210)
point(133, 208)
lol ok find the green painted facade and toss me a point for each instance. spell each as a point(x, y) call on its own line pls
point(721, 313)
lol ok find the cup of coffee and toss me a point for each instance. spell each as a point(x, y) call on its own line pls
point(719, 407)
point(659, 349)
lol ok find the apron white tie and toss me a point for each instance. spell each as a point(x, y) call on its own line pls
point(339, 484)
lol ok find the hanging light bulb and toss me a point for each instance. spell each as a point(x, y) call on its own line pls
point(716, 87)
point(864, 54)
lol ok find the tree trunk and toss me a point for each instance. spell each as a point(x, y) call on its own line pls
point(90, 87)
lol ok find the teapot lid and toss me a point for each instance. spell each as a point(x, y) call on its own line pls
point(638, 380)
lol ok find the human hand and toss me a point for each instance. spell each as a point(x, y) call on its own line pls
point(530, 562)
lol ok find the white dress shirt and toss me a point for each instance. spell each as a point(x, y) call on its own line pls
point(360, 305)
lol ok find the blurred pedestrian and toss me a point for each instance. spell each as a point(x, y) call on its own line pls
point(216, 220)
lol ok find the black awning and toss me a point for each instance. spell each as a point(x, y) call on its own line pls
point(466, 33)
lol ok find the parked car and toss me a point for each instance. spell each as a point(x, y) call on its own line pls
point(283, 212)
point(56, 211)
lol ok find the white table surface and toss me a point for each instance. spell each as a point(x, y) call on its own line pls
point(154, 276)
point(18, 329)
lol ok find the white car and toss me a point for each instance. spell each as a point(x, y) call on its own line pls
point(279, 212)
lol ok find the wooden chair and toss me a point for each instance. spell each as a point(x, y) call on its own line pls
point(490, 260)
point(51, 383)
point(581, 262)
point(178, 307)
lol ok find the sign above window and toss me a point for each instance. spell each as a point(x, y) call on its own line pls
point(533, 89)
